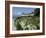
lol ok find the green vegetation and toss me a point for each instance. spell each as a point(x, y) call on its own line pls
point(28, 22)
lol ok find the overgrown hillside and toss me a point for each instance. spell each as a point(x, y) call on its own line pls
point(29, 22)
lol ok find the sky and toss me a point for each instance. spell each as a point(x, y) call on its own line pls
point(17, 11)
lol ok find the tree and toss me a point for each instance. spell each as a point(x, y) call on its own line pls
point(37, 12)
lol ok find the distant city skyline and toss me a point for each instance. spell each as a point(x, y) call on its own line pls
point(17, 11)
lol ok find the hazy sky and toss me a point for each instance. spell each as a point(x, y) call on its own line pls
point(16, 11)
